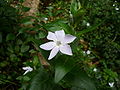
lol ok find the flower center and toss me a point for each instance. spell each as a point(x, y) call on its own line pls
point(58, 43)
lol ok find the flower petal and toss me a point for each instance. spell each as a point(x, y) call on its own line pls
point(48, 46)
point(66, 49)
point(26, 68)
point(25, 72)
point(60, 35)
point(51, 36)
point(69, 38)
point(53, 52)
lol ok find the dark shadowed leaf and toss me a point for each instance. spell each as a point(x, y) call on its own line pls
point(43, 81)
point(63, 66)
point(24, 48)
point(10, 36)
point(79, 80)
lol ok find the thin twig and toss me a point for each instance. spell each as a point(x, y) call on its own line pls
point(42, 59)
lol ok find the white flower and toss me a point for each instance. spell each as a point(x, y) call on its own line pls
point(117, 9)
point(45, 19)
point(113, 5)
point(84, 52)
point(59, 42)
point(27, 69)
point(88, 51)
point(111, 84)
point(95, 69)
point(88, 24)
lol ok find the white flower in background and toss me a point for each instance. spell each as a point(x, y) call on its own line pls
point(88, 52)
point(88, 24)
point(59, 42)
point(95, 69)
point(84, 52)
point(111, 84)
point(116, 8)
point(27, 69)
point(45, 19)
point(113, 5)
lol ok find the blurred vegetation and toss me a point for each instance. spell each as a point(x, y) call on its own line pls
point(94, 22)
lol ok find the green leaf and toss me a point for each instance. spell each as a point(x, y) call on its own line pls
point(42, 35)
point(26, 78)
point(24, 48)
point(25, 9)
point(63, 66)
point(21, 1)
point(43, 81)
point(66, 27)
point(10, 36)
point(79, 80)
point(35, 60)
point(79, 14)
point(17, 48)
point(75, 6)
point(90, 29)
point(52, 27)
point(28, 23)
point(59, 25)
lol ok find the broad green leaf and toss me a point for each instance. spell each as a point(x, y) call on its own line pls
point(63, 66)
point(28, 23)
point(52, 28)
point(26, 78)
point(79, 80)
point(66, 27)
point(24, 48)
point(43, 81)
point(59, 25)
point(10, 36)
point(27, 20)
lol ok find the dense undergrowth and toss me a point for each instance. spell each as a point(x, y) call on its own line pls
point(95, 64)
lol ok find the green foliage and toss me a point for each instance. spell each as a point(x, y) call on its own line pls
point(8, 17)
point(95, 23)
point(43, 81)
point(79, 80)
